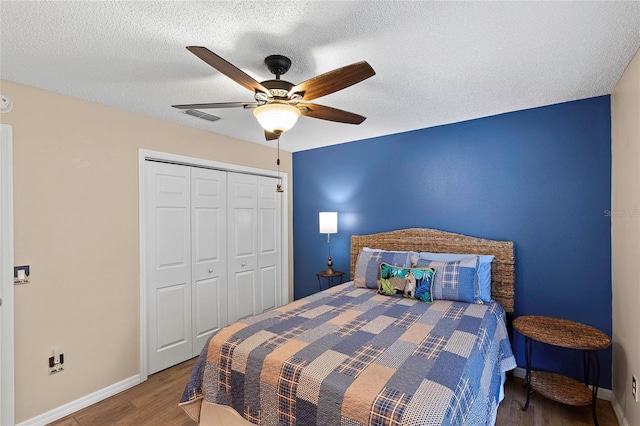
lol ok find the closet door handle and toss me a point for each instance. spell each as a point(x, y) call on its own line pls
point(210, 270)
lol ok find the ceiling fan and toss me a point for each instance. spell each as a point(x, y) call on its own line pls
point(278, 103)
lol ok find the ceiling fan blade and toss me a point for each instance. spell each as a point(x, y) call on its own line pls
point(331, 114)
point(333, 81)
point(231, 71)
point(218, 105)
point(270, 136)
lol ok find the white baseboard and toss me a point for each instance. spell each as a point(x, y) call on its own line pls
point(603, 393)
point(79, 404)
point(617, 409)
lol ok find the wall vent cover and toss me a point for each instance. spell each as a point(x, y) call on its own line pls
point(202, 115)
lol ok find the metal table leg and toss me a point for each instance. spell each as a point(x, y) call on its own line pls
point(527, 356)
point(588, 355)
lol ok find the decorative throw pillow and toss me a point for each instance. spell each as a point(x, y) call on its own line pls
point(456, 280)
point(414, 283)
point(483, 272)
point(367, 271)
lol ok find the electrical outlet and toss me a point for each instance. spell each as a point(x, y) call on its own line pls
point(21, 274)
point(56, 361)
point(634, 388)
point(55, 369)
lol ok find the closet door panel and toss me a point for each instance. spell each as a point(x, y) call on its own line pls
point(209, 310)
point(168, 264)
point(174, 316)
point(244, 288)
point(268, 283)
point(269, 243)
point(209, 249)
point(242, 245)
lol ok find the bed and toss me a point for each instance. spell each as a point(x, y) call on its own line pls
point(355, 355)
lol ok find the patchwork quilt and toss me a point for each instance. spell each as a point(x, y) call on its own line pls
point(349, 356)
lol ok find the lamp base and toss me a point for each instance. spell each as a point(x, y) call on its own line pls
point(329, 270)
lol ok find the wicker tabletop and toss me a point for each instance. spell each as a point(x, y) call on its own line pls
point(561, 332)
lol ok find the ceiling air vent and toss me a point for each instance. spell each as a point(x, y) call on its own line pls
point(202, 115)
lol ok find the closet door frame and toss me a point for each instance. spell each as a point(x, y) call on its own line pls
point(144, 155)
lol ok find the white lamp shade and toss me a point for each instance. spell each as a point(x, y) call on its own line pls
point(328, 222)
point(276, 117)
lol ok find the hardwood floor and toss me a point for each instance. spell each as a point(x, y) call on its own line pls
point(155, 402)
point(151, 403)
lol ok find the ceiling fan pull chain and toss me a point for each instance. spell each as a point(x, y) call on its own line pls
point(279, 185)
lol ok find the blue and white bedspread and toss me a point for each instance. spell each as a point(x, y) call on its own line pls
point(348, 356)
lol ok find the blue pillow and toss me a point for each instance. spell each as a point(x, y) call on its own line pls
point(456, 280)
point(367, 271)
point(414, 283)
point(483, 272)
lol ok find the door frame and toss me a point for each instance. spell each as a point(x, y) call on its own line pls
point(144, 155)
point(7, 374)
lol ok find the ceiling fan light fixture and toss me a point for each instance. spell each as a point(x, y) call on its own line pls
point(279, 103)
point(277, 117)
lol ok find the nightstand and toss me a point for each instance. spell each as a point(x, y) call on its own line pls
point(566, 334)
point(330, 277)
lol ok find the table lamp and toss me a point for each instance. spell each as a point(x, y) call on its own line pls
point(329, 225)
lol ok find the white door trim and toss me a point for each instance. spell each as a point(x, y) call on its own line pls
point(7, 375)
point(143, 155)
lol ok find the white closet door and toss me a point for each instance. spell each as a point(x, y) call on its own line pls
point(242, 245)
point(209, 254)
point(212, 255)
point(269, 239)
point(168, 264)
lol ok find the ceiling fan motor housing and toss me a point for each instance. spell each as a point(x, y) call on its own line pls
point(279, 88)
point(277, 64)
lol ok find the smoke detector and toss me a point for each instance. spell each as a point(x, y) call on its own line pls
point(5, 104)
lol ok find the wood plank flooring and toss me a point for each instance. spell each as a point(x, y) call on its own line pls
point(155, 402)
point(151, 403)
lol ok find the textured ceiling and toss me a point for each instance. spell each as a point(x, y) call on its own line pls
point(435, 62)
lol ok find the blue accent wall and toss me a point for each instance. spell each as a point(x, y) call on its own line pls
point(539, 177)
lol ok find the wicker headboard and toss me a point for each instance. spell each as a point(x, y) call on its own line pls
point(432, 240)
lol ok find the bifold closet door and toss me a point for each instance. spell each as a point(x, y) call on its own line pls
point(185, 260)
point(254, 216)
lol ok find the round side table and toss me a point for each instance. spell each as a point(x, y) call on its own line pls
point(566, 334)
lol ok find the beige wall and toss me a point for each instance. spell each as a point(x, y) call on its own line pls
point(625, 239)
point(76, 224)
